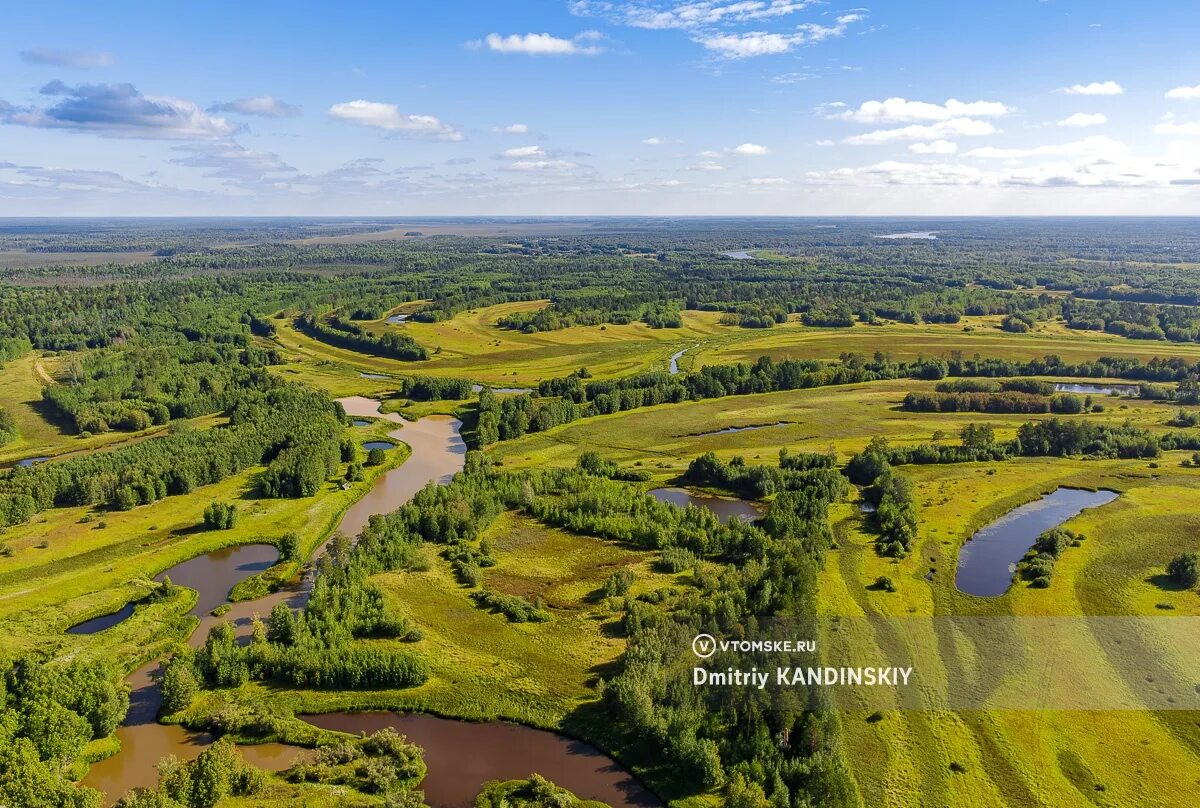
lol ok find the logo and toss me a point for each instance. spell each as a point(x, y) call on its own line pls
point(704, 646)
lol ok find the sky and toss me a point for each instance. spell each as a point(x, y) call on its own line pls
point(585, 107)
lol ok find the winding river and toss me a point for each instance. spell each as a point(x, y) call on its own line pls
point(438, 452)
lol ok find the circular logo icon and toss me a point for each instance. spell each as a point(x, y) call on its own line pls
point(704, 645)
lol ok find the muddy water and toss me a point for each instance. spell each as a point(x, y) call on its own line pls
point(438, 453)
point(724, 508)
point(987, 562)
point(462, 756)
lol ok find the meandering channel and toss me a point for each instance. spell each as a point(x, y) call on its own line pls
point(438, 452)
point(987, 563)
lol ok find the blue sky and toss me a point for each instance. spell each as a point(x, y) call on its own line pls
point(590, 107)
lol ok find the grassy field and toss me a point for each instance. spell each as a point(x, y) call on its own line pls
point(471, 346)
point(845, 418)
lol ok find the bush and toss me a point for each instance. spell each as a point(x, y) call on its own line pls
point(220, 516)
point(885, 584)
point(1185, 569)
point(376, 457)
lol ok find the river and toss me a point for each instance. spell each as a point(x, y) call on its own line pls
point(438, 452)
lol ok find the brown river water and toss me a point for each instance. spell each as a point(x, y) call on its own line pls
point(437, 455)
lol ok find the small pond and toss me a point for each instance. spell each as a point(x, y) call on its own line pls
point(987, 562)
point(378, 444)
point(397, 319)
point(30, 461)
point(724, 507)
point(1097, 389)
point(741, 255)
point(500, 391)
point(925, 235)
point(376, 376)
point(360, 422)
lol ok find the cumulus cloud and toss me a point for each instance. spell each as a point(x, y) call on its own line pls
point(1080, 119)
point(262, 105)
point(768, 181)
point(934, 147)
point(584, 44)
point(389, 117)
point(65, 58)
point(942, 130)
point(750, 150)
point(901, 110)
point(118, 110)
point(523, 151)
point(1184, 93)
point(653, 141)
point(1095, 88)
point(708, 165)
point(512, 129)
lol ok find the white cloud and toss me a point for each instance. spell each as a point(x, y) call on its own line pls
point(689, 14)
point(1095, 88)
point(1173, 127)
point(776, 181)
point(262, 105)
point(734, 45)
point(942, 130)
point(934, 147)
point(387, 116)
point(523, 151)
point(1080, 119)
point(543, 44)
point(653, 141)
point(1184, 93)
point(901, 110)
point(709, 153)
point(546, 166)
point(231, 161)
point(1097, 146)
point(792, 78)
point(708, 165)
point(750, 150)
point(512, 129)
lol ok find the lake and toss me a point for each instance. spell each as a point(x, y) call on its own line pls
point(724, 507)
point(987, 563)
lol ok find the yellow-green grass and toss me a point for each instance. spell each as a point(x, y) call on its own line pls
point(844, 417)
point(472, 346)
point(902, 341)
point(71, 564)
point(1025, 757)
point(38, 434)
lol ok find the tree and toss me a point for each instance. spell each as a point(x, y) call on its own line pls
point(179, 685)
point(289, 546)
point(220, 516)
point(1185, 569)
point(376, 457)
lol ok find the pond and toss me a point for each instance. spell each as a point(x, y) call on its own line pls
point(987, 562)
point(438, 452)
point(1097, 389)
point(360, 422)
point(500, 391)
point(376, 376)
point(724, 507)
point(741, 255)
point(29, 461)
point(927, 235)
point(378, 444)
point(397, 319)
point(463, 755)
point(730, 430)
point(673, 369)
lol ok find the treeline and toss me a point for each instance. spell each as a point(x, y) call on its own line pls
point(345, 334)
point(566, 399)
point(1009, 402)
point(49, 711)
point(294, 430)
